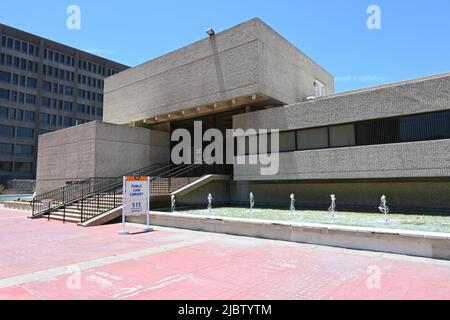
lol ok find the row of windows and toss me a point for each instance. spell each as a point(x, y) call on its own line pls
point(48, 86)
point(68, 106)
point(58, 73)
point(18, 149)
point(20, 167)
point(20, 46)
point(18, 115)
point(95, 68)
point(19, 97)
point(59, 121)
point(89, 81)
point(85, 109)
point(25, 98)
point(423, 127)
point(19, 63)
point(19, 80)
point(56, 104)
point(88, 95)
point(59, 57)
point(8, 131)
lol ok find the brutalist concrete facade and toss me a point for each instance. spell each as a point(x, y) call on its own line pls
point(97, 149)
point(415, 175)
point(251, 61)
point(244, 60)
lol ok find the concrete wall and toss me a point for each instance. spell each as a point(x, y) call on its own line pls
point(417, 159)
point(403, 160)
point(404, 195)
point(96, 149)
point(246, 59)
point(417, 96)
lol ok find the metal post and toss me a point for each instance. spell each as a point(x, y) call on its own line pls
point(82, 205)
point(64, 202)
point(124, 231)
point(148, 228)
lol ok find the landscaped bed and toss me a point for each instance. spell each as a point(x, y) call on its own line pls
point(428, 223)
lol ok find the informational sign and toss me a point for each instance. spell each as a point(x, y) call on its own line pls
point(136, 196)
point(136, 199)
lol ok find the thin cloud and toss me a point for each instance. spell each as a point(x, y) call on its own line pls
point(100, 51)
point(366, 78)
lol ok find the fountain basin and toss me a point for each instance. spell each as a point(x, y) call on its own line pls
point(408, 242)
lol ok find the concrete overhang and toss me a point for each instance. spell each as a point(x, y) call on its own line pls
point(245, 62)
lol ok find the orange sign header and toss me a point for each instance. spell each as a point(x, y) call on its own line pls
point(141, 179)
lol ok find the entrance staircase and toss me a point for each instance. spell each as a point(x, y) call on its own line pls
point(88, 199)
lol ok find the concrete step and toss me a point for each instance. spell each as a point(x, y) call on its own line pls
point(61, 218)
point(68, 214)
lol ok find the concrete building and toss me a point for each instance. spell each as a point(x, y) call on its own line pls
point(44, 86)
point(359, 145)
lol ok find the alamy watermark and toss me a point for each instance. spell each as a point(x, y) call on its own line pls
point(252, 147)
point(73, 22)
point(374, 280)
point(374, 19)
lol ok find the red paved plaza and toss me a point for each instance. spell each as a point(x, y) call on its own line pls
point(51, 260)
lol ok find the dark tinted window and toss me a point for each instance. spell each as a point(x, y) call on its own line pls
point(6, 148)
point(5, 166)
point(4, 94)
point(23, 167)
point(7, 131)
point(23, 149)
point(24, 132)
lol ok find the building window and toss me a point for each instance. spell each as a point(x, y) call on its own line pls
point(4, 112)
point(20, 115)
point(342, 136)
point(6, 131)
point(68, 106)
point(320, 88)
point(31, 83)
point(5, 167)
point(25, 132)
point(30, 99)
point(287, 141)
point(46, 102)
point(45, 118)
point(99, 112)
point(67, 122)
point(29, 116)
point(46, 86)
point(22, 149)
point(23, 167)
point(310, 139)
point(5, 77)
point(425, 127)
point(4, 94)
point(68, 91)
point(6, 148)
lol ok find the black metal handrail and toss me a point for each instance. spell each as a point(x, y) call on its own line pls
point(110, 198)
point(54, 200)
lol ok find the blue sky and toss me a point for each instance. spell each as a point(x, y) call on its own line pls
point(413, 41)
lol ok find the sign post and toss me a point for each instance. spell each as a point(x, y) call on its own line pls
point(136, 200)
point(148, 228)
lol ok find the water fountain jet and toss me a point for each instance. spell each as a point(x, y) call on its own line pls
point(332, 208)
point(292, 208)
